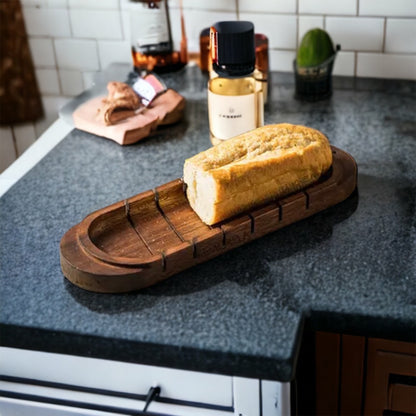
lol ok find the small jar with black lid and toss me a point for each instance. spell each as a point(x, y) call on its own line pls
point(235, 97)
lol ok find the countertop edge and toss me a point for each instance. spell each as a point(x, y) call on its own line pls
point(36, 152)
point(175, 357)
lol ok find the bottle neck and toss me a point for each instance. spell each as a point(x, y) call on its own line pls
point(233, 71)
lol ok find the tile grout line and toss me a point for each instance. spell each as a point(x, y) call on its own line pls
point(297, 23)
point(355, 63)
point(120, 17)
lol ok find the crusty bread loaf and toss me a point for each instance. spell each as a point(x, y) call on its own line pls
point(254, 168)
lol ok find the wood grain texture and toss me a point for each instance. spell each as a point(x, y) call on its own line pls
point(352, 374)
point(153, 235)
point(327, 359)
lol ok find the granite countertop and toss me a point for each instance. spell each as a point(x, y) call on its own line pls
point(351, 268)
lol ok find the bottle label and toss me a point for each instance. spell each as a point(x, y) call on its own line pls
point(149, 29)
point(230, 116)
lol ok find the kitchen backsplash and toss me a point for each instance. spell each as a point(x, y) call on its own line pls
point(71, 40)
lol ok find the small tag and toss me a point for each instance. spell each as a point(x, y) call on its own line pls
point(148, 88)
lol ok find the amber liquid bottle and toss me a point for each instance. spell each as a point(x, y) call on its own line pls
point(152, 45)
point(261, 71)
point(235, 96)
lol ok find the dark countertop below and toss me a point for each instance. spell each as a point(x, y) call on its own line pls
point(351, 268)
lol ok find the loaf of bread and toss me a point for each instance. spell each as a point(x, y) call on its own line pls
point(254, 168)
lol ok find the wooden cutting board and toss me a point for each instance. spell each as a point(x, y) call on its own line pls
point(145, 239)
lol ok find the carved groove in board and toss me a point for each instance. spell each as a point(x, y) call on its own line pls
point(151, 224)
point(224, 237)
point(252, 224)
point(194, 252)
point(159, 208)
point(131, 222)
point(163, 261)
point(307, 199)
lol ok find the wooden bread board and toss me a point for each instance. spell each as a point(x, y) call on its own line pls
point(145, 239)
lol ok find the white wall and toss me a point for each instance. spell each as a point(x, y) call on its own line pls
point(71, 40)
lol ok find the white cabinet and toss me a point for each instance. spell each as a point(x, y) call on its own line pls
point(39, 383)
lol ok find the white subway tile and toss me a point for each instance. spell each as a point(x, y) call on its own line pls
point(127, 5)
point(7, 150)
point(25, 136)
point(93, 4)
point(401, 36)
point(55, 4)
point(191, 18)
point(46, 22)
point(71, 82)
point(112, 51)
point(280, 29)
point(77, 54)
point(48, 81)
point(405, 8)
point(344, 64)
point(377, 65)
point(42, 52)
point(307, 23)
point(195, 21)
point(343, 7)
point(98, 24)
point(125, 25)
point(51, 106)
point(212, 5)
point(267, 6)
point(281, 60)
point(356, 33)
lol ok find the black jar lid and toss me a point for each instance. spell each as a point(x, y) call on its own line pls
point(233, 48)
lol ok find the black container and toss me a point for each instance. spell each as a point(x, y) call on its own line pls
point(314, 83)
point(233, 48)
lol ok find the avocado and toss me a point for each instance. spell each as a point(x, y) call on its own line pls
point(315, 48)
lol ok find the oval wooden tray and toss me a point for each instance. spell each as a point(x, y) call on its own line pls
point(142, 240)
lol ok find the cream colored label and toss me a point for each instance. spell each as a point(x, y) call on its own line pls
point(230, 116)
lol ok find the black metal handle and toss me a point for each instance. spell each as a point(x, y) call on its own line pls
point(153, 393)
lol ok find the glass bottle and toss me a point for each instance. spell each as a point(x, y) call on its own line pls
point(151, 38)
point(235, 97)
point(261, 72)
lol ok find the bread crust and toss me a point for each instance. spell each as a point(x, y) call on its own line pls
point(254, 168)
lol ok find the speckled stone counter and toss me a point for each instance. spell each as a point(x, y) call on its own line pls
point(351, 268)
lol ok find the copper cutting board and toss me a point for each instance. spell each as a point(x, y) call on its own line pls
point(145, 239)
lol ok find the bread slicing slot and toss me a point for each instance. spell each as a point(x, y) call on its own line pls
point(127, 206)
point(252, 227)
point(280, 212)
point(307, 200)
point(165, 217)
point(163, 261)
